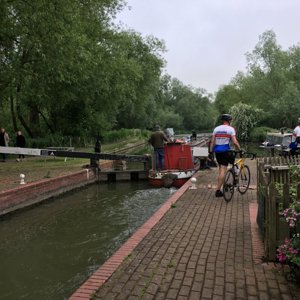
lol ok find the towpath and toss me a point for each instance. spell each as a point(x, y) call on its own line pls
point(195, 246)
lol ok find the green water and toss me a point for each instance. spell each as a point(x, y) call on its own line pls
point(46, 252)
point(255, 148)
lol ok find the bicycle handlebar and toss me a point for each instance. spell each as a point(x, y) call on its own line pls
point(242, 153)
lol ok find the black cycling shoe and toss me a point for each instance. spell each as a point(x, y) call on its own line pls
point(219, 193)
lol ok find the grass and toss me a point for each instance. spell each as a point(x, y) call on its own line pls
point(37, 167)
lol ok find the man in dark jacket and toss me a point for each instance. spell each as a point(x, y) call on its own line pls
point(20, 142)
point(157, 140)
point(4, 139)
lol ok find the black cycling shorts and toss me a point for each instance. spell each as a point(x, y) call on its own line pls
point(225, 158)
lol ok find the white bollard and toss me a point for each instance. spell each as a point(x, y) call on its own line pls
point(22, 177)
point(193, 186)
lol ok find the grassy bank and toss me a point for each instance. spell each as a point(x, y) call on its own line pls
point(38, 167)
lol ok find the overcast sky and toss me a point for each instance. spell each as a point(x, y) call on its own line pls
point(207, 40)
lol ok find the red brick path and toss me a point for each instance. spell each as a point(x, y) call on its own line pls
point(200, 248)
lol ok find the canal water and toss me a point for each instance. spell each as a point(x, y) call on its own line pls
point(46, 252)
point(255, 148)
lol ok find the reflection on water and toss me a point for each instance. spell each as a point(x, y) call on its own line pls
point(48, 251)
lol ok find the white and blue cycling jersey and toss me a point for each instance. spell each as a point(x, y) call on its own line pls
point(296, 133)
point(223, 134)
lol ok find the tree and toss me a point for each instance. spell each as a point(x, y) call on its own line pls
point(245, 117)
point(227, 96)
point(294, 66)
point(67, 69)
point(193, 105)
point(139, 67)
point(272, 83)
point(285, 110)
point(268, 65)
point(48, 51)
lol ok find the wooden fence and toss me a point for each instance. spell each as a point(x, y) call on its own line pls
point(274, 172)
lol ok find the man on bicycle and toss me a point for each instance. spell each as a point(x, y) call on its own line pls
point(220, 144)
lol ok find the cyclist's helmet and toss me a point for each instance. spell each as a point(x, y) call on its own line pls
point(226, 117)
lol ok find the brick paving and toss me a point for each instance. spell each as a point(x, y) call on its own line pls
point(200, 247)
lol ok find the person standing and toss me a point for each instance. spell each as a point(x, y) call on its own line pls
point(295, 139)
point(20, 142)
point(157, 140)
point(98, 145)
point(194, 136)
point(4, 139)
point(220, 144)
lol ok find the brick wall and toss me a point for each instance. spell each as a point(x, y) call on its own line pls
point(35, 192)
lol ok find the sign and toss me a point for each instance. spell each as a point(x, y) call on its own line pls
point(200, 151)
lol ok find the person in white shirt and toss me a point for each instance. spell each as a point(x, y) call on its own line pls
point(295, 138)
point(222, 136)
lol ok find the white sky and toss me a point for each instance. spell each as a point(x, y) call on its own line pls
point(206, 40)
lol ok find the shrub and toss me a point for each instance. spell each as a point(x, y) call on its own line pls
point(245, 117)
point(258, 134)
point(84, 141)
point(289, 251)
point(118, 135)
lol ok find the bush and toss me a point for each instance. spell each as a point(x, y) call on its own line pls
point(49, 141)
point(118, 135)
point(83, 141)
point(245, 117)
point(258, 134)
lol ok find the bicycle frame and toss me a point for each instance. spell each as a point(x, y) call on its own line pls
point(241, 161)
point(239, 164)
point(234, 179)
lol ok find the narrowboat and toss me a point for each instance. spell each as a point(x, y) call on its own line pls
point(278, 143)
point(180, 165)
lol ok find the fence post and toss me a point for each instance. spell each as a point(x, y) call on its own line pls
point(272, 220)
point(267, 223)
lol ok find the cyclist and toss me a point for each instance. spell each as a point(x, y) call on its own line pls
point(220, 144)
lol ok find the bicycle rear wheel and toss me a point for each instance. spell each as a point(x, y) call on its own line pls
point(228, 186)
point(244, 179)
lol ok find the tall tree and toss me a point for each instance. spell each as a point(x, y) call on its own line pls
point(271, 83)
point(268, 64)
point(48, 49)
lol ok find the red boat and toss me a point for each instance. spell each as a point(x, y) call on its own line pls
point(179, 166)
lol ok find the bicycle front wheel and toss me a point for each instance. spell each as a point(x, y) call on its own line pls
point(228, 186)
point(244, 179)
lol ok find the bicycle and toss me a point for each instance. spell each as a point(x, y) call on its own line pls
point(238, 176)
